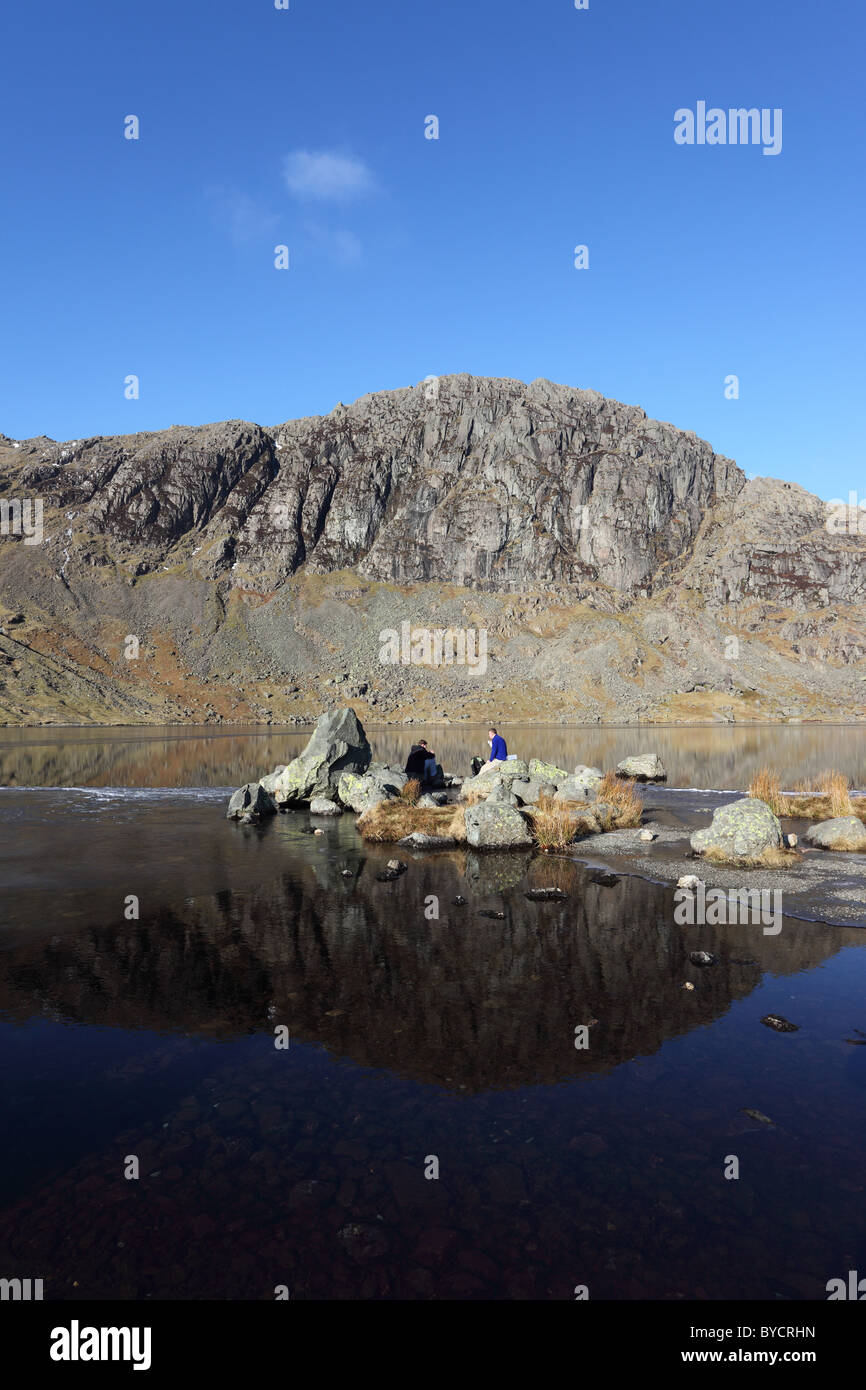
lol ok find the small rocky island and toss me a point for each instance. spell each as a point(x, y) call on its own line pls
point(536, 807)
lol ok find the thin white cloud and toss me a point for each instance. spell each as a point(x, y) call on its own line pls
point(325, 176)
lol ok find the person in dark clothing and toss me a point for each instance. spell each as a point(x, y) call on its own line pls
point(421, 762)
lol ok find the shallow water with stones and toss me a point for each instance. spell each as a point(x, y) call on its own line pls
point(410, 1037)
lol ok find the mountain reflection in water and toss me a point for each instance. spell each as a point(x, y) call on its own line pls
point(410, 1037)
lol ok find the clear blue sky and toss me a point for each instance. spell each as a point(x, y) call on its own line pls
point(412, 256)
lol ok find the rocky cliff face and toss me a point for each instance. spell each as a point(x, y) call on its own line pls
point(609, 558)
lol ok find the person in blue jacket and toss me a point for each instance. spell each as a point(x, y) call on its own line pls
point(498, 753)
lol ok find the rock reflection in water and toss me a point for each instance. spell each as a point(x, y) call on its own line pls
point(413, 1037)
point(356, 965)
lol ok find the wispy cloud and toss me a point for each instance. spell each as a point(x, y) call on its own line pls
point(327, 177)
point(246, 219)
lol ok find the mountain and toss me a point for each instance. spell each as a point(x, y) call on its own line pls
point(620, 569)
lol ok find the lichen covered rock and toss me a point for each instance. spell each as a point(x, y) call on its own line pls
point(743, 829)
point(495, 826)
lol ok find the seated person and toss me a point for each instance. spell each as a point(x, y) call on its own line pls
point(421, 762)
point(498, 753)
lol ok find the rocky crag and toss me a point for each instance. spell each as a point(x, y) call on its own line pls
point(619, 569)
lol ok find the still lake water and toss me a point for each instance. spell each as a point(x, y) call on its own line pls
point(409, 1038)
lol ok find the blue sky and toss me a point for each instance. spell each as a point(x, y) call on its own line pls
point(410, 256)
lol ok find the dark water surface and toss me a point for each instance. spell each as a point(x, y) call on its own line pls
point(410, 1037)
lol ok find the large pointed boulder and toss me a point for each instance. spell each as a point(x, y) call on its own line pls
point(338, 745)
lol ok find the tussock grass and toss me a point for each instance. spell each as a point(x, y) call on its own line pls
point(623, 796)
point(410, 791)
point(765, 786)
point(391, 820)
point(837, 788)
point(812, 806)
point(556, 823)
point(825, 798)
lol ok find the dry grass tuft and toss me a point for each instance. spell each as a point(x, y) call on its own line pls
point(837, 788)
point(765, 786)
point(623, 796)
point(824, 798)
point(391, 820)
point(410, 791)
point(556, 823)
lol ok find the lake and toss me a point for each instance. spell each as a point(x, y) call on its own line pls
point(419, 1041)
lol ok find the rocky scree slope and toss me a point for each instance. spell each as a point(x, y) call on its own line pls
point(609, 557)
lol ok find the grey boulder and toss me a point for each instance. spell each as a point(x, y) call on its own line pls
point(645, 767)
point(741, 830)
point(586, 780)
point(338, 745)
point(496, 827)
point(513, 768)
point(269, 781)
point(540, 771)
point(250, 800)
point(502, 796)
point(841, 833)
point(573, 790)
point(322, 806)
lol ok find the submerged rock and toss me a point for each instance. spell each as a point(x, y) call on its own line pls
point(603, 878)
point(394, 869)
point(703, 958)
point(779, 1024)
point(418, 840)
point(250, 802)
point(644, 767)
point(545, 895)
point(743, 829)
